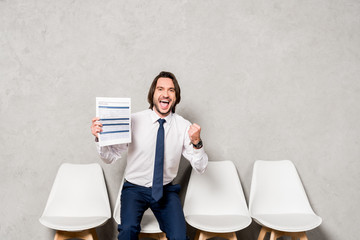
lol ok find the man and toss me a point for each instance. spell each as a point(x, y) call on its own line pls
point(159, 138)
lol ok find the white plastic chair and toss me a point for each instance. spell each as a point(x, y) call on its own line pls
point(215, 202)
point(78, 202)
point(278, 201)
point(149, 225)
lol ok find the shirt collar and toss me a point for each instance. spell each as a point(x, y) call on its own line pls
point(155, 117)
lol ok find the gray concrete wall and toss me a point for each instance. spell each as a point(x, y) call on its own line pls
point(265, 80)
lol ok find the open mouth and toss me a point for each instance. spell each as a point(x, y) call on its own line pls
point(164, 104)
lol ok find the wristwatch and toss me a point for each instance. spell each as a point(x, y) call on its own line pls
point(198, 145)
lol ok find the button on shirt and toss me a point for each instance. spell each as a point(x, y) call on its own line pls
point(141, 151)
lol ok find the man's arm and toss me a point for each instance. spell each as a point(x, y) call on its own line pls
point(108, 154)
point(193, 151)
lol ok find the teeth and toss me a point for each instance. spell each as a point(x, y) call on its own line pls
point(164, 104)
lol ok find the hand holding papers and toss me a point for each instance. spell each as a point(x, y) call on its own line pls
point(115, 116)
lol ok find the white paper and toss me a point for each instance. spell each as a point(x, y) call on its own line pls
point(115, 116)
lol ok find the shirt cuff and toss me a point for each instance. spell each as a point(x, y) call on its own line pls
point(199, 151)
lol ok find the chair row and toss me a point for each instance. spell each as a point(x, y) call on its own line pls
point(214, 204)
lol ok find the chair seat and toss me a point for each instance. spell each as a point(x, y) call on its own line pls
point(219, 223)
point(289, 222)
point(149, 224)
point(72, 223)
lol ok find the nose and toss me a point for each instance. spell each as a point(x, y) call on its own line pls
point(165, 94)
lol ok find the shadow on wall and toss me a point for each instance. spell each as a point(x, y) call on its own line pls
point(108, 231)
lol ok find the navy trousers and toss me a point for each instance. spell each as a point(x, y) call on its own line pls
point(135, 200)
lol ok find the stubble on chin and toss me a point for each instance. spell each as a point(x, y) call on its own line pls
point(162, 113)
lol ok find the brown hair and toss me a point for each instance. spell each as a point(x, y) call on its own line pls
point(153, 87)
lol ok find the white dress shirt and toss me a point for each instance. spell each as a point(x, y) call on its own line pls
point(141, 151)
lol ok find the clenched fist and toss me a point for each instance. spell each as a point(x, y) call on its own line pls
point(194, 133)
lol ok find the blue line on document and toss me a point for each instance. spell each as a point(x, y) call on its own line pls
point(113, 107)
point(114, 124)
point(110, 119)
point(114, 132)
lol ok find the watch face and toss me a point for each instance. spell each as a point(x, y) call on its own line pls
point(199, 145)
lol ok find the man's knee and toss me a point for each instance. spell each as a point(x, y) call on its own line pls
point(176, 232)
point(128, 232)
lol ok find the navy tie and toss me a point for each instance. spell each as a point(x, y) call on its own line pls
point(157, 186)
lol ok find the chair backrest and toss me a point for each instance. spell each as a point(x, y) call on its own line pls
point(276, 188)
point(216, 192)
point(79, 190)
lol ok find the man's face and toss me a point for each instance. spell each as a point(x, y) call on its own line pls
point(164, 96)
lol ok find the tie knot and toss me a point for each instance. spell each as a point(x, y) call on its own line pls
point(161, 121)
